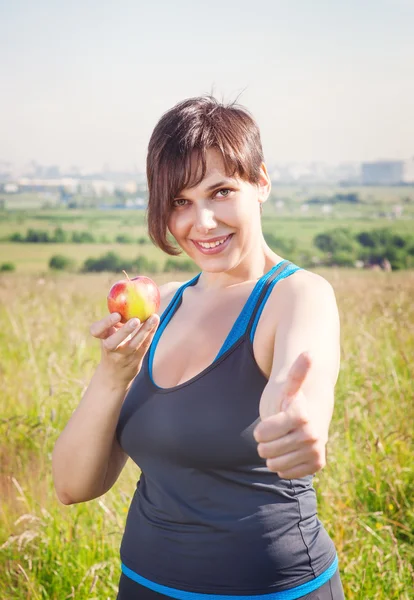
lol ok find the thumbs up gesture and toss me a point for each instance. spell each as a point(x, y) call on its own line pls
point(289, 436)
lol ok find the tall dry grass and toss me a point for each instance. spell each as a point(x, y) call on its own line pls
point(365, 493)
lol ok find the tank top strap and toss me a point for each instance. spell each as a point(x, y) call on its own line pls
point(284, 270)
point(167, 315)
point(240, 326)
point(176, 299)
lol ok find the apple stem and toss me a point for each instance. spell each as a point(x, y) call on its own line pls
point(126, 275)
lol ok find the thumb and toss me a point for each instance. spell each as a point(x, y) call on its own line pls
point(295, 379)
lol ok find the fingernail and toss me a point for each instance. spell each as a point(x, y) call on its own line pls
point(152, 321)
point(115, 317)
point(133, 323)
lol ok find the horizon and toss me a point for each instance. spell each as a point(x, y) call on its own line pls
point(327, 83)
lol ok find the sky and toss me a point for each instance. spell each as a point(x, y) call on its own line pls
point(84, 82)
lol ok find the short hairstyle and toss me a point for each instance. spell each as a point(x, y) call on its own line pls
point(189, 129)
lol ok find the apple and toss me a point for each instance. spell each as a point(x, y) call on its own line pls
point(138, 297)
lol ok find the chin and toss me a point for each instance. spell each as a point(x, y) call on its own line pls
point(210, 264)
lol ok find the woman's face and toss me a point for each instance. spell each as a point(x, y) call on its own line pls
point(219, 209)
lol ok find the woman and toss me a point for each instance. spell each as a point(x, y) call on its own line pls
point(225, 402)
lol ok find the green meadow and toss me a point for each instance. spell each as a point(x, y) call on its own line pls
point(286, 224)
point(47, 357)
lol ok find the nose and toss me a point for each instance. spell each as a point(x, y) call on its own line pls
point(205, 220)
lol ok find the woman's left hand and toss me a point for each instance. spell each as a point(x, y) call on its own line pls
point(290, 440)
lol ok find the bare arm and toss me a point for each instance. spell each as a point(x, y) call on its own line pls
point(84, 450)
point(308, 321)
point(297, 403)
point(87, 459)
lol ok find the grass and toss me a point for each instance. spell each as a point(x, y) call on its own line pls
point(49, 551)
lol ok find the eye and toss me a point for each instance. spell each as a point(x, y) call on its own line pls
point(225, 191)
point(174, 205)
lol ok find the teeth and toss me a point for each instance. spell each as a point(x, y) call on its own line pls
point(212, 244)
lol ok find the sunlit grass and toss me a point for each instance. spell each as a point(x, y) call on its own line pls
point(49, 551)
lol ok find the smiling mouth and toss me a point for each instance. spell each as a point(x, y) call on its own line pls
point(213, 247)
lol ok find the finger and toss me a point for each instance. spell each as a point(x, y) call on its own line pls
point(143, 337)
point(286, 462)
point(302, 470)
point(279, 425)
point(288, 443)
point(100, 329)
point(297, 374)
point(277, 447)
point(112, 342)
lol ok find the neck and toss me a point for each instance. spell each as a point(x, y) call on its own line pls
point(249, 269)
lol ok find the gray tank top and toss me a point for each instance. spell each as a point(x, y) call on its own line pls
point(207, 515)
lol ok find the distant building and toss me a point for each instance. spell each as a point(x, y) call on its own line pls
point(32, 184)
point(130, 187)
point(10, 188)
point(409, 171)
point(386, 172)
point(97, 187)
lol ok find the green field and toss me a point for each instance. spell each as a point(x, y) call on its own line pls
point(47, 357)
point(287, 224)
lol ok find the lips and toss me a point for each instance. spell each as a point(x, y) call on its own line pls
point(211, 240)
point(215, 249)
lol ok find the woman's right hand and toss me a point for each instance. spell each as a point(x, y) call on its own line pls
point(123, 346)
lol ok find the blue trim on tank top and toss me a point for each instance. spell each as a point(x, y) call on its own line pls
point(239, 327)
point(290, 594)
point(243, 319)
point(164, 322)
point(288, 271)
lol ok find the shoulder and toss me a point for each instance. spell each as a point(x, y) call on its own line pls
point(167, 291)
point(305, 282)
point(303, 291)
point(169, 288)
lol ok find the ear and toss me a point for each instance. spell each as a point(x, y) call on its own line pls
point(264, 184)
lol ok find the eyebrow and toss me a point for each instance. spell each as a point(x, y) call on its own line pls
point(214, 186)
point(219, 184)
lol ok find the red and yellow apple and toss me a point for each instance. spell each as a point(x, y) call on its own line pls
point(137, 297)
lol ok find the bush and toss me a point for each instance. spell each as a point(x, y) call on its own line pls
point(379, 238)
point(142, 265)
point(352, 198)
point(172, 264)
point(16, 237)
point(115, 264)
point(61, 236)
point(8, 267)
point(342, 259)
point(83, 237)
point(397, 257)
point(38, 236)
point(58, 262)
point(337, 240)
point(108, 262)
point(286, 245)
point(124, 239)
point(372, 247)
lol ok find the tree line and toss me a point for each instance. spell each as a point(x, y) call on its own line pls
point(60, 236)
point(339, 247)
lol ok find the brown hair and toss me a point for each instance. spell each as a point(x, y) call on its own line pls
point(194, 126)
